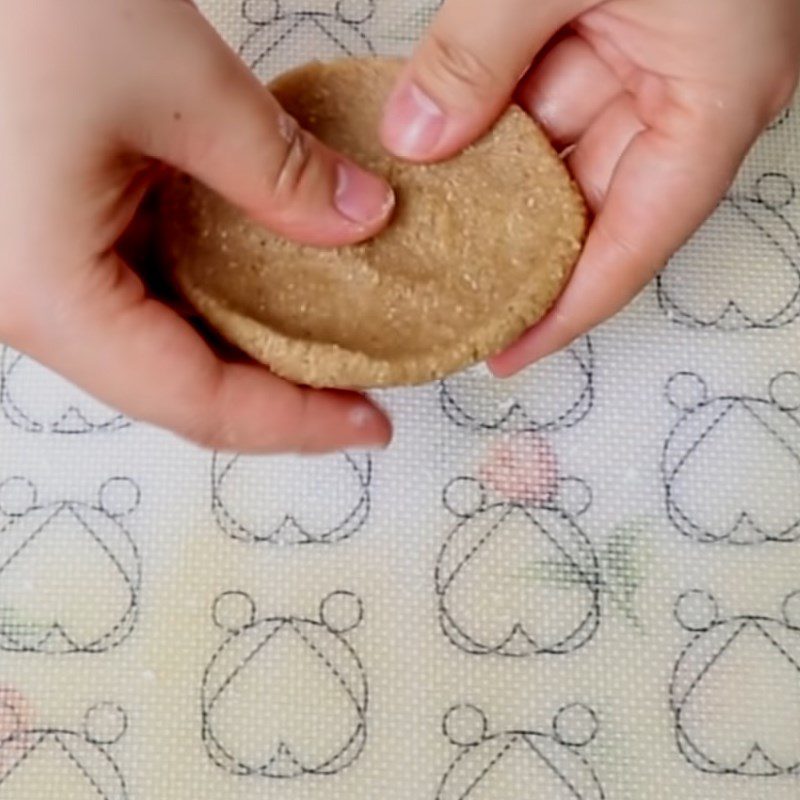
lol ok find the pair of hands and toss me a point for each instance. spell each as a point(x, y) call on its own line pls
point(657, 102)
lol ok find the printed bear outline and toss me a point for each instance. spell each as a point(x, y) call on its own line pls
point(698, 612)
point(763, 211)
point(27, 520)
point(410, 29)
point(700, 416)
point(465, 412)
point(275, 21)
point(71, 421)
point(558, 513)
point(87, 751)
point(340, 612)
point(289, 526)
point(574, 727)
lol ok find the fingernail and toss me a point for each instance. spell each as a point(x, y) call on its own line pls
point(500, 368)
point(413, 123)
point(367, 418)
point(363, 415)
point(361, 197)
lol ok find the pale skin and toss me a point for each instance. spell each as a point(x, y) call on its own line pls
point(656, 101)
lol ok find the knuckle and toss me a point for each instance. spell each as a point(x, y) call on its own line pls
point(209, 432)
point(627, 250)
point(203, 420)
point(289, 167)
point(215, 71)
point(595, 192)
point(15, 316)
point(455, 71)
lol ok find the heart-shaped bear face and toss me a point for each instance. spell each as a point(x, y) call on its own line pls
point(39, 401)
point(328, 28)
point(498, 767)
point(36, 760)
point(556, 393)
point(276, 499)
point(727, 293)
point(735, 696)
point(518, 581)
point(69, 577)
point(266, 12)
point(80, 770)
point(731, 469)
point(253, 721)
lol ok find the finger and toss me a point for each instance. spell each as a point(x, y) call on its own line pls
point(568, 89)
point(598, 153)
point(465, 71)
point(142, 358)
point(201, 109)
point(663, 189)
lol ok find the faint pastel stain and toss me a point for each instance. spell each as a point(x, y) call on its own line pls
point(16, 717)
point(521, 468)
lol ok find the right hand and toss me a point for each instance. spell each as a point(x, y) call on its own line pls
point(657, 103)
point(96, 95)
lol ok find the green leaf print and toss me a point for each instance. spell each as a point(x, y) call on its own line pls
point(622, 561)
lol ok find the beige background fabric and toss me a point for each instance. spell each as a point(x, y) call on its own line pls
point(580, 583)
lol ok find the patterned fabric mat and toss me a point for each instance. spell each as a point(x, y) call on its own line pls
point(582, 583)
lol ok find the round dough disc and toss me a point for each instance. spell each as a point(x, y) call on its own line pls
point(479, 248)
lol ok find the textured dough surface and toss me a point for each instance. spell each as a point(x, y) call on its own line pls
point(479, 248)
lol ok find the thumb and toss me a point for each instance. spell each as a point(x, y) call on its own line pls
point(465, 71)
point(208, 115)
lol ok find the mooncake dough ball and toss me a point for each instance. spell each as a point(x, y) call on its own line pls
point(478, 250)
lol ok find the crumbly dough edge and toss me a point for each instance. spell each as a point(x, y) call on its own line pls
point(323, 364)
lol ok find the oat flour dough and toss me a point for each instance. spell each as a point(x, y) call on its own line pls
point(479, 248)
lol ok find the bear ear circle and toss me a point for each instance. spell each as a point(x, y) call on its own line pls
point(355, 12)
point(784, 391)
point(341, 611)
point(119, 497)
point(234, 611)
point(105, 724)
point(775, 190)
point(575, 725)
point(465, 725)
point(464, 497)
point(686, 391)
point(574, 495)
point(261, 12)
point(791, 610)
point(18, 496)
point(696, 611)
